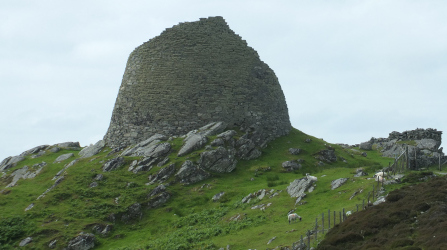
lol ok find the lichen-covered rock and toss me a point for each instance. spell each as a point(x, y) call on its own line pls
point(294, 151)
point(192, 142)
point(298, 187)
point(338, 182)
point(366, 145)
point(82, 242)
point(69, 145)
point(246, 149)
point(291, 165)
point(10, 162)
point(35, 150)
point(189, 173)
point(326, 155)
point(113, 164)
point(92, 150)
point(221, 79)
point(217, 196)
point(63, 157)
point(25, 241)
point(162, 175)
point(219, 160)
point(152, 147)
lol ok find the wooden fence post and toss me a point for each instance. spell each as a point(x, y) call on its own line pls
point(322, 221)
point(334, 218)
point(344, 214)
point(308, 239)
point(339, 213)
point(363, 205)
point(357, 205)
point(373, 194)
point(316, 228)
point(329, 218)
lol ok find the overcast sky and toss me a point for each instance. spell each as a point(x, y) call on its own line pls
point(350, 70)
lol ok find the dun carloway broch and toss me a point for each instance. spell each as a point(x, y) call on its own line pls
point(190, 75)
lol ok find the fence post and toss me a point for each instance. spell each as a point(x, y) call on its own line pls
point(407, 156)
point(322, 221)
point(415, 155)
point(344, 214)
point(357, 205)
point(308, 239)
point(339, 215)
point(363, 204)
point(329, 219)
point(334, 218)
point(439, 162)
point(301, 241)
point(373, 194)
point(369, 194)
point(316, 229)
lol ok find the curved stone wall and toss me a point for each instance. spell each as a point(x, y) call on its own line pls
point(190, 75)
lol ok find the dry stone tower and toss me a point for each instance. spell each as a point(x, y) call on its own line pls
point(190, 75)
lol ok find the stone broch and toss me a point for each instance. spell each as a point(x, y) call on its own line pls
point(190, 75)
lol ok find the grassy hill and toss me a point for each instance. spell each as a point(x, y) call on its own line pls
point(190, 219)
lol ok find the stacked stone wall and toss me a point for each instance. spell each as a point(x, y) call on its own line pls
point(192, 74)
point(417, 134)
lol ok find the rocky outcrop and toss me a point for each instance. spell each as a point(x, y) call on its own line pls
point(10, 162)
point(294, 151)
point(162, 175)
point(158, 197)
point(69, 145)
point(338, 182)
point(25, 241)
point(298, 188)
point(26, 173)
point(217, 78)
point(82, 242)
point(154, 146)
point(423, 146)
point(326, 155)
point(63, 157)
point(291, 165)
point(113, 164)
point(219, 160)
point(92, 150)
point(189, 173)
point(133, 213)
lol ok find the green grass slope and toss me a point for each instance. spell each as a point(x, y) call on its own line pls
point(190, 219)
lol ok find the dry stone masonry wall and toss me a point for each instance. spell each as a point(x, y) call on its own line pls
point(190, 75)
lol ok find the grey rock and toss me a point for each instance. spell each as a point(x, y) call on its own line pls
point(113, 164)
point(145, 147)
point(132, 213)
point(366, 145)
point(291, 165)
point(217, 142)
point(92, 150)
point(34, 150)
point(52, 244)
point(227, 135)
point(103, 230)
point(57, 182)
point(364, 154)
point(246, 149)
point(65, 168)
point(63, 157)
point(55, 149)
point(338, 182)
point(26, 173)
point(294, 151)
point(159, 200)
point(82, 242)
point(191, 143)
point(93, 184)
point(69, 145)
point(29, 207)
point(163, 162)
point(379, 200)
point(144, 165)
point(10, 162)
point(219, 160)
point(162, 175)
point(298, 187)
point(429, 144)
point(272, 239)
point(326, 155)
point(99, 177)
point(212, 128)
point(156, 191)
point(25, 241)
point(217, 197)
point(308, 140)
point(189, 173)
point(360, 173)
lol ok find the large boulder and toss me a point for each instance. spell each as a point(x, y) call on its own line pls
point(219, 160)
point(338, 182)
point(162, 175)
point(327, 155)
point(133, 213)
point(291, 165)
point(154, 146)
point(298, 188)
point(69, 145)
point(92, 150)
point(34, 150)
point(189, 173)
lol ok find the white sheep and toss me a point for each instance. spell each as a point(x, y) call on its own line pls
point(348, 213)
point(293, 216)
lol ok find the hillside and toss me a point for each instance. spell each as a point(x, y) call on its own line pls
point(414, 217)
point(189, 218)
